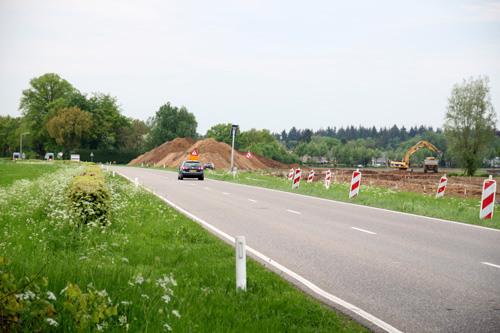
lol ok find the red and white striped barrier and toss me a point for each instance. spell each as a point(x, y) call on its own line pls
point(328, 178)
point(442, 187)
point(296, 179)
point(290, 175)
point(311, 176)
point(488, 199)
point(355, 183)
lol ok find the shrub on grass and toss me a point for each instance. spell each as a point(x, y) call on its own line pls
point(89, 197)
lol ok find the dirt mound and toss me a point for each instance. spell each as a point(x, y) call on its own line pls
point(172, 153)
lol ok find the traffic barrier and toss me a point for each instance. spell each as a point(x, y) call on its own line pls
point(355, 183)
point(290, 175)
point(311, 176)
point(296, 179)
point(328, 179)
point(442, 187)
point(488, 198)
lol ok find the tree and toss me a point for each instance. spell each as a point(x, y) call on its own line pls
point(37, 101)
point(171, 122)
point(470, 122)
point(69, 126)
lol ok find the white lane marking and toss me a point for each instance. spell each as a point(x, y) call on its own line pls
point(252, 200)
point(363, 230)
point(225, 193)
point(372, 319)
point(490, 264)
point(207, 188)
point(292, 211)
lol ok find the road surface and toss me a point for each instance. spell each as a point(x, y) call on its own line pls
point(415, 274)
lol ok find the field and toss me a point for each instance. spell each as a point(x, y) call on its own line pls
point(150, 270)
point(415, 182)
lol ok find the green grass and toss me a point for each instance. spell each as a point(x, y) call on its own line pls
point(12, 171)
point(158, 266)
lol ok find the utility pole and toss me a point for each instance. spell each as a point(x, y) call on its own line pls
point(234, 129)
point(21, 144)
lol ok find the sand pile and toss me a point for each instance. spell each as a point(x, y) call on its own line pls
point(172, 154)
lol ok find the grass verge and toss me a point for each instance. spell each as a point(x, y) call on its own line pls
point(160, 270)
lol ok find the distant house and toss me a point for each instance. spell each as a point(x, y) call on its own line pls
point(378, 162)
point(315, 159)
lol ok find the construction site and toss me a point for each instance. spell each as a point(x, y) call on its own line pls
point(172, 153)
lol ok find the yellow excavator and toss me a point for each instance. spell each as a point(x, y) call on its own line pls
point(430, 163)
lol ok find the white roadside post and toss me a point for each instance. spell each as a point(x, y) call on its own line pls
point(113, 173)
point(136, 182)
point(241, 263)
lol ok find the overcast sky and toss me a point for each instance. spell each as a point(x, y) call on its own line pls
point(260, 64)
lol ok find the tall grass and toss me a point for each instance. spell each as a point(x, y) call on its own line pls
point(163, 271)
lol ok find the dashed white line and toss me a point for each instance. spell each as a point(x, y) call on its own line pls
point(490, 264)
point(252, 200)
point(292, 211)
point(363, 230)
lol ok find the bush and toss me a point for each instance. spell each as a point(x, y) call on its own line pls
point(89, 197)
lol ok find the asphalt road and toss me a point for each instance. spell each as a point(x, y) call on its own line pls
point(414, 273)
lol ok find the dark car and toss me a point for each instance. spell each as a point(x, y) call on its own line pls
point(210, 166)
point(190, 169)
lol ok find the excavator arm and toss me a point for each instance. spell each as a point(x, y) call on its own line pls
point(405, 163)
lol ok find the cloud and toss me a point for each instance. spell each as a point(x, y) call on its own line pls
point(489, 12)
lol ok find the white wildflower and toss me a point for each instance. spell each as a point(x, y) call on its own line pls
point(125, 259)
point(166, 298)
point(125, 303)
point(122, 320)
point(176, 313)
point(145, 296)
point(51, 295)
point(84, 258)
point(139, 279)
point(167, 326)
point(52, 322)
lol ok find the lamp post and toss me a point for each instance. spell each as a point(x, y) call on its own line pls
point(21, 150)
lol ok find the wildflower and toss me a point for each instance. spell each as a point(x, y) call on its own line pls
point(125, 303)
point(139, 279)
point(51, 295)
point(176, 313)
point(167, 326)
point(145, 296)
point(52, 322)
point(166, 298)
point(125, 259)
point(84, 258)
point(122, 320)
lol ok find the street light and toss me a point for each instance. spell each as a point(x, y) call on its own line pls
point(21, 153)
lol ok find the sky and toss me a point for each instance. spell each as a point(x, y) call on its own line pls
point(259, 64)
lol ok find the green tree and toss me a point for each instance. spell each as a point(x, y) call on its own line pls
point(36, 102)
point(470, 122)
point(69, 126)
point(171, 122)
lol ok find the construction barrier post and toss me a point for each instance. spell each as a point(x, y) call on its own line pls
point(328, 179)
point(355, 183)
point(311, 176)
point(296, 179)
point(290, 174)
point(442, 187)
point(488, 198)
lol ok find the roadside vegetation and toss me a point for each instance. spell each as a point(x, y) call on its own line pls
point(147, 269)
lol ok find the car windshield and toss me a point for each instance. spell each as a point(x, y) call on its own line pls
point(192, 164)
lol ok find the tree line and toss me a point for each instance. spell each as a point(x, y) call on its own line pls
point(57, 117)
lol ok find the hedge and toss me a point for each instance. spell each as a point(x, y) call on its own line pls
point(89, 197)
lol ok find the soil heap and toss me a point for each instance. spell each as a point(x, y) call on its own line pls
point(172, 154)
